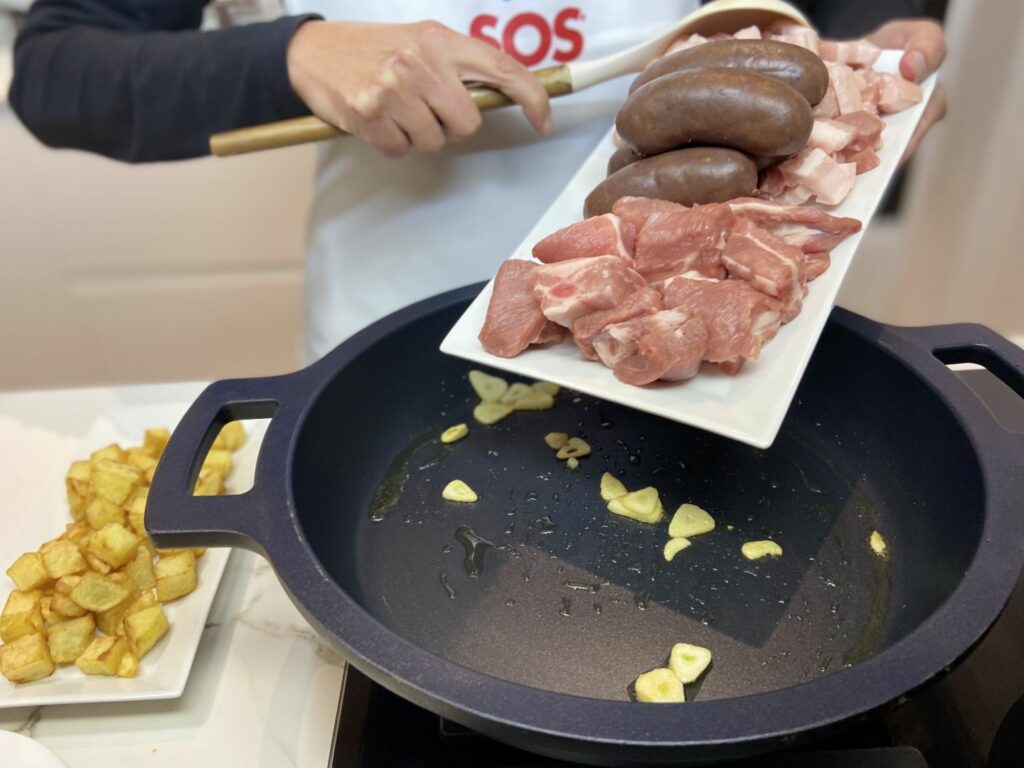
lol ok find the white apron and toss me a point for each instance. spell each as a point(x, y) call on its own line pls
point(385, 233)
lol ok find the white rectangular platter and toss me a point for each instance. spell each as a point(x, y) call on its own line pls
point(749, 407)
point(165, 669)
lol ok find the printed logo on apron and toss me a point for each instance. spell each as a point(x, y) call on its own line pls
point(531, 37)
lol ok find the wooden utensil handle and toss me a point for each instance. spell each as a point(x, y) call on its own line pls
point(303, 130)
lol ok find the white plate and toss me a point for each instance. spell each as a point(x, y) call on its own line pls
point(165, 669)
point(748, 407)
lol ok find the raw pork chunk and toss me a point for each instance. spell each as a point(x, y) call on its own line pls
point(645, 301)
point(571, 289)
point(739, 318)
point(667, 345)
point(810, 229)
point(597, 236)
point(692, 240)
point(514, 320)
point(768, 263)
point(633, 212)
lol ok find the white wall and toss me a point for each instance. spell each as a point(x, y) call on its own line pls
point(113, 273)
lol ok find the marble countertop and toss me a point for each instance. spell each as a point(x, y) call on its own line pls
point(264, 688)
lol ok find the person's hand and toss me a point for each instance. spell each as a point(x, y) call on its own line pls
point(924, 48)
point(401, 86)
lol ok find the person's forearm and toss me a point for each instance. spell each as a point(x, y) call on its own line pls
point(86, 76)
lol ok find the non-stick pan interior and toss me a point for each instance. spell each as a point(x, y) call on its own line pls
point(538, 584)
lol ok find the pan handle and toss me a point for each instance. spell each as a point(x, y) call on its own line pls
point(972, 343)
point(251, 520)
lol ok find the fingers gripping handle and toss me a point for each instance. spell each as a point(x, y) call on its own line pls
point(177, 518)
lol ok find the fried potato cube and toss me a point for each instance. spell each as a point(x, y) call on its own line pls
point(146, 600)
point(210, 482)
point(175, 575)
point(115, 545)
point(137, 511)
point(219, 460)
point(145, 628)
point(100, 593)
point(155, 440)
point(99, 512)
point(102, 656)
point(140, 569)
point(61, 558)
point(65, 606)
point(232, 436)
point(46, 610)
point(77, 482)
point(113, 452)
point(19, 601)
point(110, 620)
point(95, 564)
point(65, 584)
point(28, 572)
point(69, 639)
point(140, 458)
point(75, 532)
point(115, 480)
point(26, 659)
point(129, 666)
point(22, 615)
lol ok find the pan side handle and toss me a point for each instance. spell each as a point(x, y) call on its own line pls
point(251, 520)
point(972, 343)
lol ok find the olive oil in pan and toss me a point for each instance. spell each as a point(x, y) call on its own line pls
point(476, 547)
point(391, 487)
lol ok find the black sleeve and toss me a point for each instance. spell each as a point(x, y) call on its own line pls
point(135, 80)
point(843, 19)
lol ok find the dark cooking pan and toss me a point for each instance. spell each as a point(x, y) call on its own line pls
point(535, 635)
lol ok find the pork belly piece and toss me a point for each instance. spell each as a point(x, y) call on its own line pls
point(633, 212)
point(896, 93)
point(808, 228)
point(855, 53)
point(865, 159)
point(870, 89)
point(570, 289)
point(645, 301)
point(831, 135)
point(796, 34)
point(816, 263)
point(682, 43)
point(747, 33)
point(597, 236)
point(514, 320)
point(829, 104)
point(869, 130)
point(739, 318)
point(668, 345)
point(677, 242)
point(830, 182)
point(843, 81)
point(768, 263)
